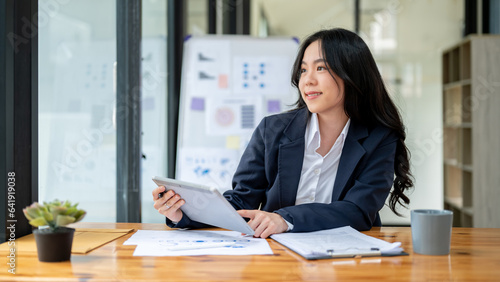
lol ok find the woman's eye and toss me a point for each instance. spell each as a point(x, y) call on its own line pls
point(321, 68)
point(302, 71)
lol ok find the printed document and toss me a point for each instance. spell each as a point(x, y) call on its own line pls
point(337, 243)
point(196, 243)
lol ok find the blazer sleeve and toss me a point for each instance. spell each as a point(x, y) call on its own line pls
point(186, 222)
point(359, 202)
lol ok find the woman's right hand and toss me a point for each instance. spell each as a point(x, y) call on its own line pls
point(168, 205)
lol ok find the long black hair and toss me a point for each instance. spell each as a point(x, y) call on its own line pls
point(366, 100)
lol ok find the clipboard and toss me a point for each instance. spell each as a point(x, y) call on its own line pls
point(343, 242)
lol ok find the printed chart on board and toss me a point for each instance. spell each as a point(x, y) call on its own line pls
point(229, 83)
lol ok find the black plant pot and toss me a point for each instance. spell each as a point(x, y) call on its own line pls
point(54, 246)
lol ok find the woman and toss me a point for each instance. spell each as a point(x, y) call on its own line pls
point(330, 162)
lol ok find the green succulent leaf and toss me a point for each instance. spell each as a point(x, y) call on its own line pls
point(47, 216)
point(37, 222)
point(56, 210)
point(70, 211)
point(79, 215)
point(64, 220)
point(33, 212)
point(54, 214)
point(29, 217)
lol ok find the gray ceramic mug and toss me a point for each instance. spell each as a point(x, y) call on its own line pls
point(431, 231)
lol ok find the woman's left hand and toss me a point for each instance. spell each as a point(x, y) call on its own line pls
point(264, 223)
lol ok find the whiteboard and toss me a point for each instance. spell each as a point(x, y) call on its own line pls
point(229, 83)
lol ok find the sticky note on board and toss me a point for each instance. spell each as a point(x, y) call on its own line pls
point(223, 81)
point(273, 106)
point(233, 142)
point(197, 104)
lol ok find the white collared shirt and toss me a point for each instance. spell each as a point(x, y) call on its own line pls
point(319, 173)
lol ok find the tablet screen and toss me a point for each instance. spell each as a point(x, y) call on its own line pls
point(206, 205)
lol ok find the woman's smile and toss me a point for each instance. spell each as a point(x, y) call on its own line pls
point(313, 94)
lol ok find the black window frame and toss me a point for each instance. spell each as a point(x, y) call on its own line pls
point(19, 124)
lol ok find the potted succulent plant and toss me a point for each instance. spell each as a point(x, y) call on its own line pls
point(53, 239)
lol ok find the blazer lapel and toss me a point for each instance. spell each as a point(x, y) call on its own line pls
point(291, 157)
point(351, 154)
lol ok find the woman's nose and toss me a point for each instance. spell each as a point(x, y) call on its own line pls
point(308, 78)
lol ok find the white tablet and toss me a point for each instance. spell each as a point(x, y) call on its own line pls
point(205, 204)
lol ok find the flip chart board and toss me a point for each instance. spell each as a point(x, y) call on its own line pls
point(229, 83)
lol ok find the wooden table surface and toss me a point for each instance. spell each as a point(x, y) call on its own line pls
point(475, 256)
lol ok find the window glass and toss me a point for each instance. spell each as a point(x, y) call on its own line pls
point(408, 47)
point(77, 137)
point(154, 103)
point(77, 140)
point(299, 18)
point(197, 17)
point(154, 92)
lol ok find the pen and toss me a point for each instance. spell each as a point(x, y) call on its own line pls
point(331, 251)
point(200, 246)
point(160, 195)
point(347, 253)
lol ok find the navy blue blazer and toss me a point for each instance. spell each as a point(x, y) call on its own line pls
point(270, 168)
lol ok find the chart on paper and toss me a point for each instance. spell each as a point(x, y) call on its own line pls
point(196, 242)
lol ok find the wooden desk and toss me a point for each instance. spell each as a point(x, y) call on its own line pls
point(475, 256)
